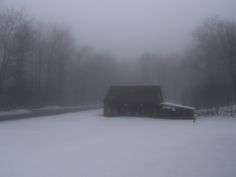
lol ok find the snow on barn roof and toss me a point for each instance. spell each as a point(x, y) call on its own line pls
point(176, 105)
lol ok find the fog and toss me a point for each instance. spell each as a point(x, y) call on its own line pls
point(70, 53)
point(128, 28)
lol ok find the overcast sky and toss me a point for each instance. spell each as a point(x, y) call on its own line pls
point(130, 27)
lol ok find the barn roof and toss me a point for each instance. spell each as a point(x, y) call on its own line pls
point(134, 94)
point(176, 105)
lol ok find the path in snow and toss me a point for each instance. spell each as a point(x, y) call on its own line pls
point(86, 144)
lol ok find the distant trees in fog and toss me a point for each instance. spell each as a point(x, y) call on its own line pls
point(41, 65)
point(214, 58)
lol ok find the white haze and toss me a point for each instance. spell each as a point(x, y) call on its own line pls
point(128, 28)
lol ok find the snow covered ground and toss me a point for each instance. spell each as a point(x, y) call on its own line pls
point(86, 144)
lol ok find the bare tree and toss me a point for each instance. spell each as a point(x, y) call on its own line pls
point(9, 23)
point(59, 53)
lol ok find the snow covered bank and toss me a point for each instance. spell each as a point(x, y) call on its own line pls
point(15, 112)
point(44, 111)
point(86, 144)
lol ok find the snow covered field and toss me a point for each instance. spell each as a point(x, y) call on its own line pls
point(86, 144)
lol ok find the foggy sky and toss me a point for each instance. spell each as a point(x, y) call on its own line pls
point(128, 28)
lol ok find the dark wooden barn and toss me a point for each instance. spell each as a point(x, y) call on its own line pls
point(143, 101)
point(133, 101)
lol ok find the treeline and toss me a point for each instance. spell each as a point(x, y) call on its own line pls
point(204, 75)
point(43, 65)
point(213, 59)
